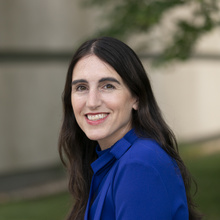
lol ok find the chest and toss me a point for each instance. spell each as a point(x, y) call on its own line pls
point(101, 200)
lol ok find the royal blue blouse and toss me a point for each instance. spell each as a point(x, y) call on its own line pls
point(136, 179)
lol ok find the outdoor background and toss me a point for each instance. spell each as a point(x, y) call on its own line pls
point(37, 40)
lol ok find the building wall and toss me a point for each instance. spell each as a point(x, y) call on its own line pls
point(44, 24)
point(30, 90)
point(188, 94)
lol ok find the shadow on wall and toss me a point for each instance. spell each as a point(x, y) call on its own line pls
point(32, 184)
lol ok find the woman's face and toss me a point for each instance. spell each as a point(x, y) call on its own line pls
point(102, 103)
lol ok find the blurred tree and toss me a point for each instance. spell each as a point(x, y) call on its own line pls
point(183, 21)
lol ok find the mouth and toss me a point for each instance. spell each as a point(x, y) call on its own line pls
point(96, 117)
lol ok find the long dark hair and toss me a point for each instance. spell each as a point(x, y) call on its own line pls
point(147, 121)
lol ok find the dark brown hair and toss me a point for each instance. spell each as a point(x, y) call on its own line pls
point(147, 121)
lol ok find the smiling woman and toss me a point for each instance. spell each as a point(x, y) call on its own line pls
point(122, 157)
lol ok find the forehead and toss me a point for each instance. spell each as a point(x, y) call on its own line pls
point(92, 67)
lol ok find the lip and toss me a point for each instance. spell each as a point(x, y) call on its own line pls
point(96, 122)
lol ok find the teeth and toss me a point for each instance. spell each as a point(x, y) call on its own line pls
point(96, 117)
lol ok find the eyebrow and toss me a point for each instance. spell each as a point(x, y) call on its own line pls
point(79, 81)
point(111, 79)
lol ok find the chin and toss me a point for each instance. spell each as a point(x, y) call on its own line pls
point(94, 137)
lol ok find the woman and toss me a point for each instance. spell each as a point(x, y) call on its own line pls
point(122, 156)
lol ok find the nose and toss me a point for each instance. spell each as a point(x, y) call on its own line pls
point(93, 99)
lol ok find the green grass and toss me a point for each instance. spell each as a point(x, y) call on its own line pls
point(206, 171)
point(49, 208)
point(204, 168)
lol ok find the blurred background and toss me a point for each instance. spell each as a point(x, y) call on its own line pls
point(179, 45)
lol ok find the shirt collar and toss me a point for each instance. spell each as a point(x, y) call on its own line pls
point(115, 152)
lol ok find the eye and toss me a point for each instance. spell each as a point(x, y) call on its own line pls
point(109, 86)
point(81, 88)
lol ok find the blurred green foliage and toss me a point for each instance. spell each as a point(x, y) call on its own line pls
point(125, 18)
point(205, 169)
point(54, 207)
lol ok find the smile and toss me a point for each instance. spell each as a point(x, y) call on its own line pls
point(96, 117)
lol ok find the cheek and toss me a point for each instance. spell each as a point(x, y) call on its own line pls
point(128, 106)
point(113, 102)
point(76, 104)
point(120, 103)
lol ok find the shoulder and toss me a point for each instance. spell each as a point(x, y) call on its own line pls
point(147, 152)
point(147, 156)
point(148, 174)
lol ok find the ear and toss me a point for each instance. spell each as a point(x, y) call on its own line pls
point(135, 105)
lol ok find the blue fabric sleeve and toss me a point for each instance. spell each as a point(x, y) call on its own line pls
point(140, 193)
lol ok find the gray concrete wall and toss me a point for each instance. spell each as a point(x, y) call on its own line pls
point(43, 24)
point(30, 91)
point(188, 95)
point(188, 92)
point(30, 114)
